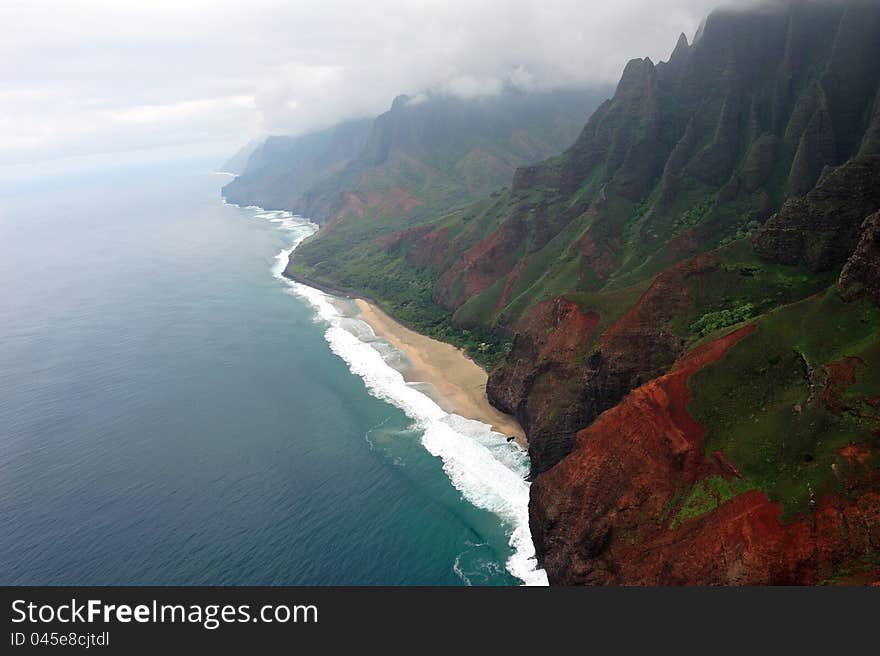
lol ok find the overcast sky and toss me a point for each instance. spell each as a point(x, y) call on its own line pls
point(91, 76)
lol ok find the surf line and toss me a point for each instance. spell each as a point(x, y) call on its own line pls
point(489, 471)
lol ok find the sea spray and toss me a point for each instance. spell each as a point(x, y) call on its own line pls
point(489, 471)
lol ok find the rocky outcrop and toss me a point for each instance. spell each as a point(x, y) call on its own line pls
point(821, 229)
point(541, 383)
point(816, 149)
point(762, 108)
point(560, 375)
point(861, 273)
point(483, 264)
point(603, 515)
point(282, 170)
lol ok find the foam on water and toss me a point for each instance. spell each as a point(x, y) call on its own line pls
point(489, 471)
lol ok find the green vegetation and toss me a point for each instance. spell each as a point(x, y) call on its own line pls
point(762, 404)
point(405, 292)
point(741, 287)
point(693, 215)
point(743, 231)
point(590, 186)
point(610, 305)
point(706, 495)
point(712, 321)
point(856, 571)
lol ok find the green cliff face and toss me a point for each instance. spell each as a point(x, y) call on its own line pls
point(689, 155)
point(423, 158)
point(426, 157)
point(281, 170)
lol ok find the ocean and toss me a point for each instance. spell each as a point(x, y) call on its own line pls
point(174, 412)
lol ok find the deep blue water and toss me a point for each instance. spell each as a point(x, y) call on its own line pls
point(170, 415)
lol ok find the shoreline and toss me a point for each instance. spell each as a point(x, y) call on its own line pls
point(431, 379)
point(458, 381)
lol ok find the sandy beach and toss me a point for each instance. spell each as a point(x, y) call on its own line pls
point(459, 382)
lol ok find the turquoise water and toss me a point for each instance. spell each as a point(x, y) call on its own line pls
point(173, 413)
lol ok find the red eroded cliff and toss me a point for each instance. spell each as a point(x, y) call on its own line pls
point(355, 205)
point(603, 515)
point(480, 267)
point(561, 373)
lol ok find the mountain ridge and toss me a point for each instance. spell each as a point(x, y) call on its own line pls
point(473, 145)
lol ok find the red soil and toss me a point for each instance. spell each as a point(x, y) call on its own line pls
point(509, 281)
point(667, 296)
point(599, 257)
point(840, 377)
point(479, 267)
point(423, 245)
point(601, 515)
point(857, 454)
point(398, 201)
point(685, 244)
point(356, 204)
point(560, 329)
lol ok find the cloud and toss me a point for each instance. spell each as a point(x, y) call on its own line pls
point(468, 86)
point(85, 76)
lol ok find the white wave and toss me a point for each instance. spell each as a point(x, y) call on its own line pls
point(488, 470)
point(456, 567)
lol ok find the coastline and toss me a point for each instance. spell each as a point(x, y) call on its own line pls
point(458, 381)
point(456, 421)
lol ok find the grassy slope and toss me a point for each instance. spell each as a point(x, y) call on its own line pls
point(406, 291)
point(763, 409)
